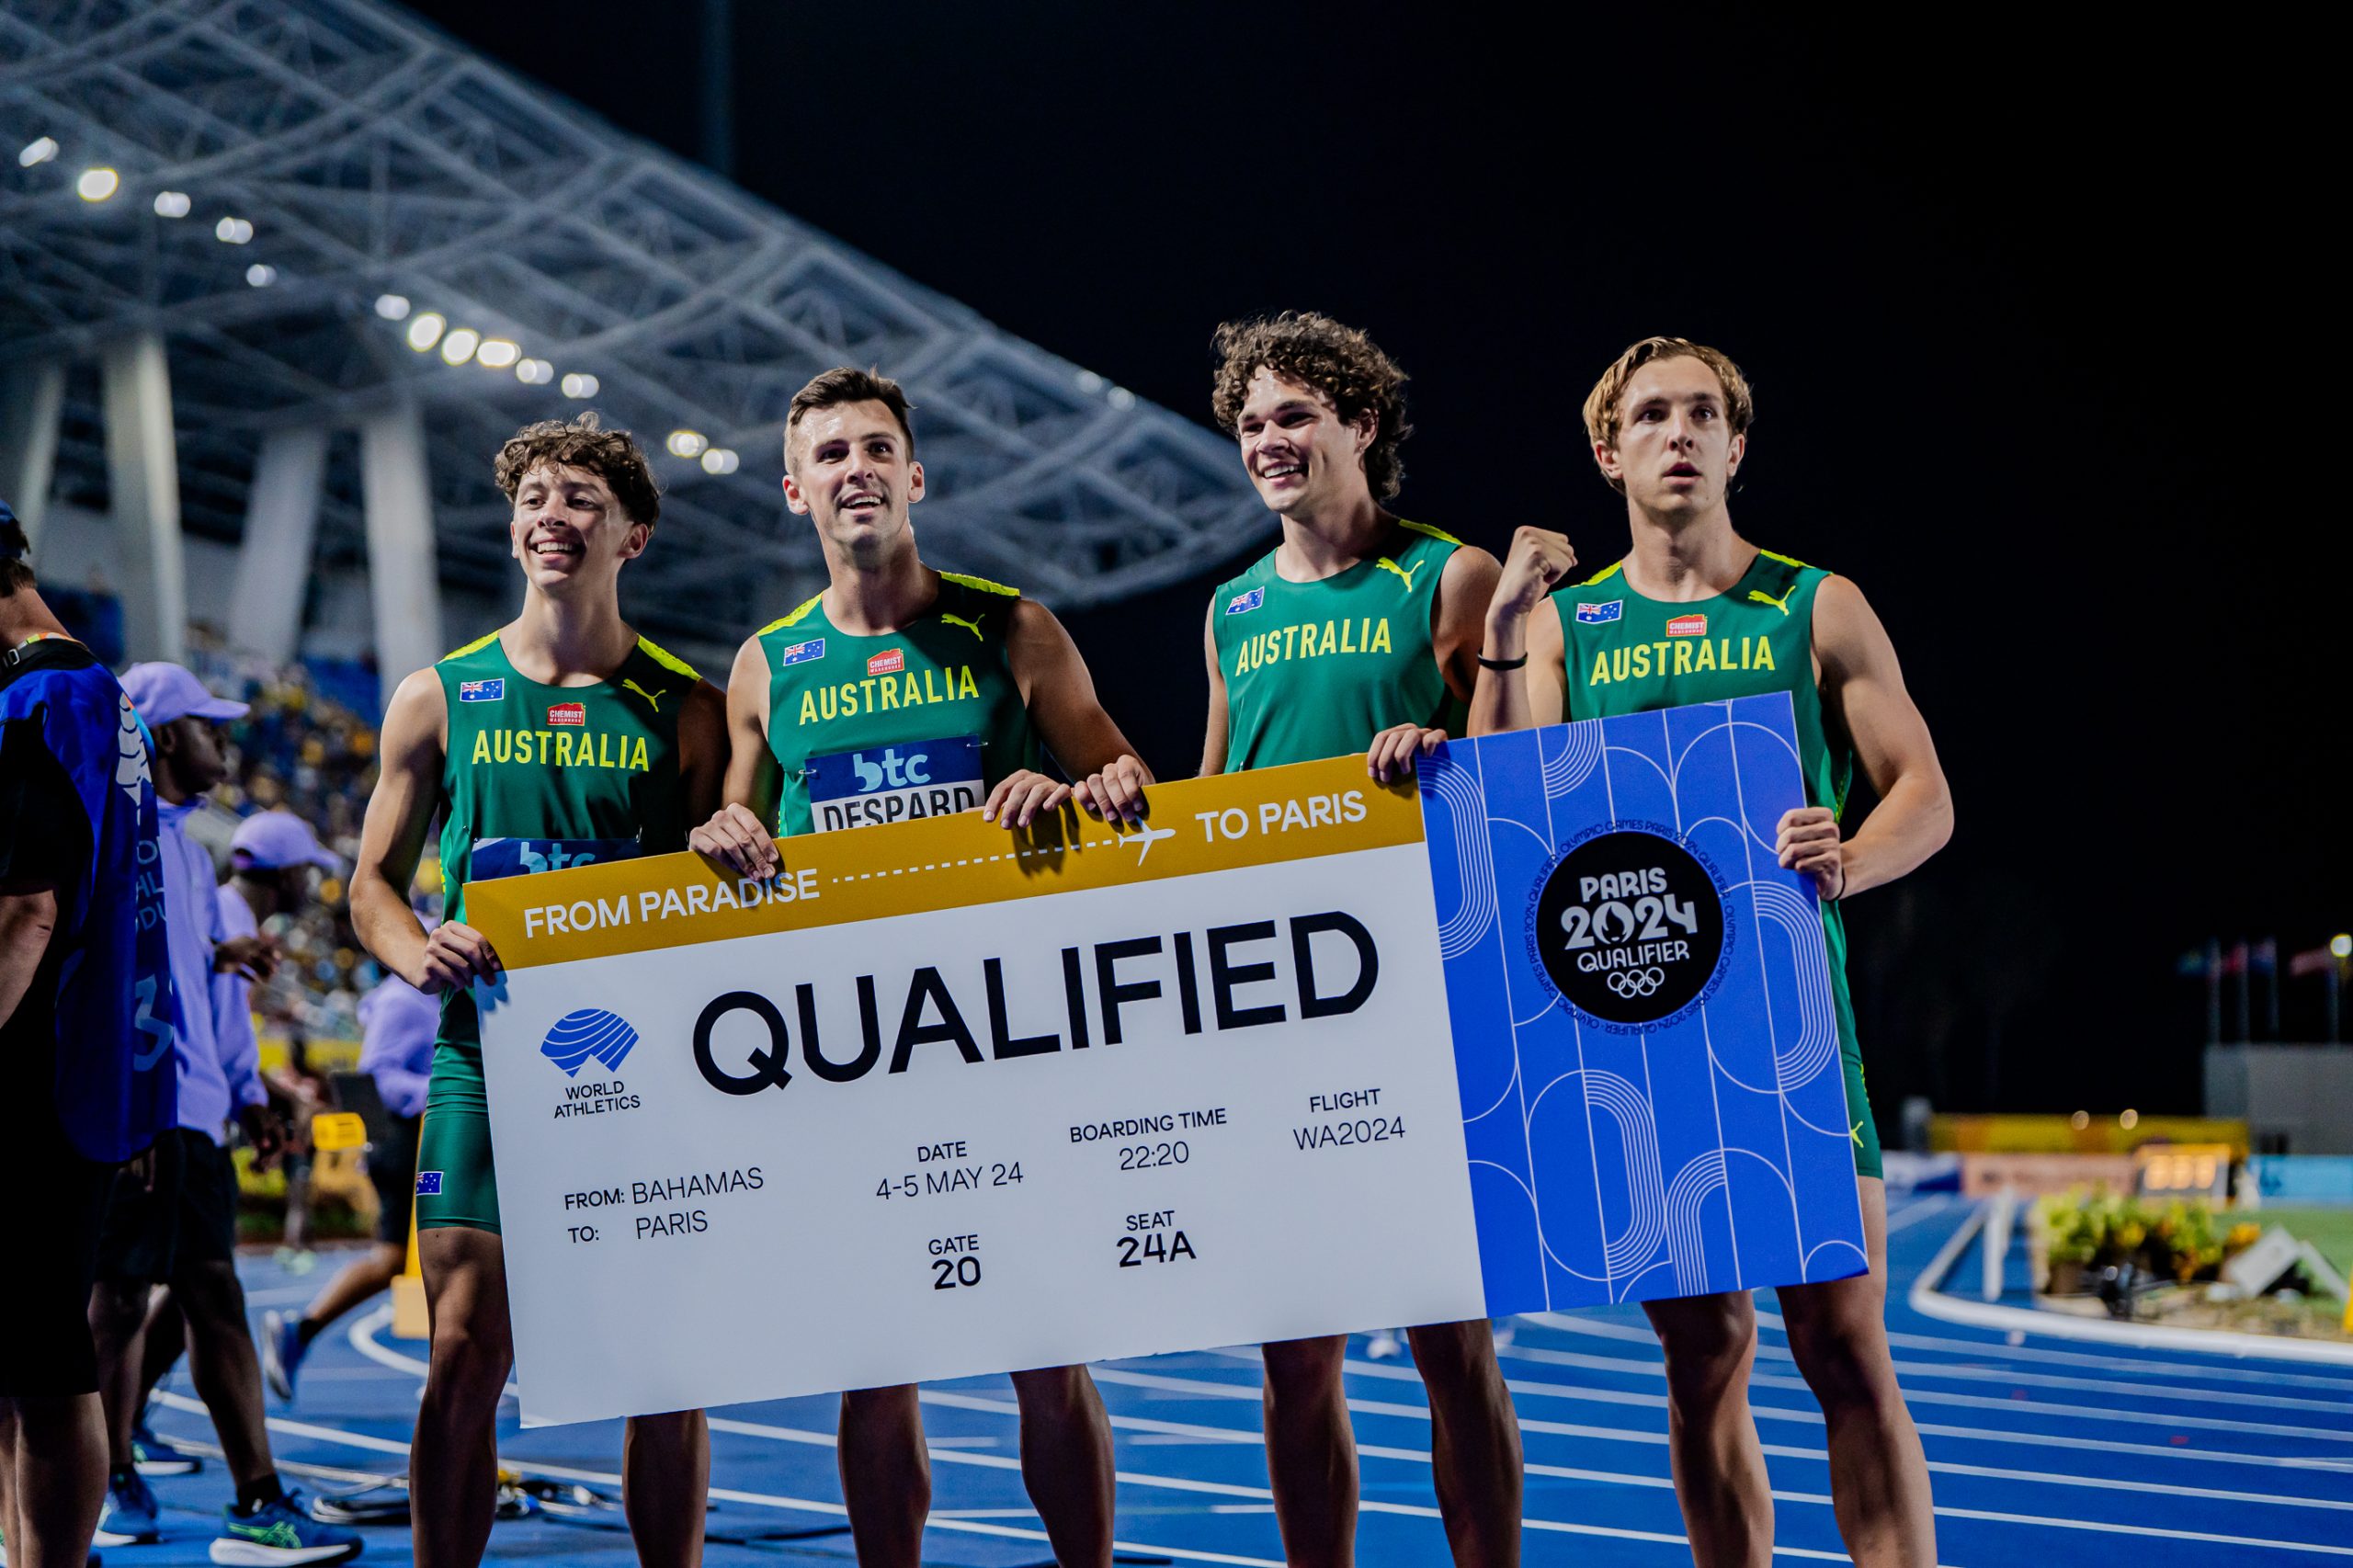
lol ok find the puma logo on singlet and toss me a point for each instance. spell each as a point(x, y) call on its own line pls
point(653, 698)
point(1759, 596)
point(972, 626)
point(1388, 566)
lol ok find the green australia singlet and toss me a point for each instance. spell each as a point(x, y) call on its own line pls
point(1317, 669)
point(537, 778)
point(923, 720)
point(1626, 653)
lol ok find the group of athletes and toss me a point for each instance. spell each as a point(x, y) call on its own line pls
point(1317, 411)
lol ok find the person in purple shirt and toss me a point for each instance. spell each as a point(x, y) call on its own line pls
point(397, 1024)
point(182, 1230)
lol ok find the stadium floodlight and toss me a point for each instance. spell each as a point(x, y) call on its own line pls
point(2130, 1120)
point(2080, 1120)
point(719, 459)
point(1089, 382)
point(580, 383)
point(39, 149)
point(459, 346)
point(686, 443)
point(392, 307)
point(172, 204)
point(97, 185)
point(426, 330)
point(261, 275)
point(1122, 398)
point(497, 352)
point(534, 372)
point(232, 231)
point(2341, 946)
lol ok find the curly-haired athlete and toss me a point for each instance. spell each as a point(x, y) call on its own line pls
point(1695, 613)
point(1357, 630)
point(561, 737)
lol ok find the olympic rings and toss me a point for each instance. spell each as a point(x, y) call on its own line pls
point(1632, 983)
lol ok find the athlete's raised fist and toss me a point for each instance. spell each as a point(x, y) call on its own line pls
point(1540, 559)
point(455, 955)
point(736, 840)
point(1116, 794)
point(1808, 842)
point(1020, 796)
point(1392, 751)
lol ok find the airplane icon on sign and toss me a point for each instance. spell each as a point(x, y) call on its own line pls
point(1145, 837)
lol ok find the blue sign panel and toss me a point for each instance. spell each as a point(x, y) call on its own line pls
point(1644, 1028)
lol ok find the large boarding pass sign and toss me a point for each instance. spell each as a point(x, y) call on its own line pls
point(941, 1100)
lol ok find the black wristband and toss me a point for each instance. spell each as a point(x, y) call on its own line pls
point(1487, 663)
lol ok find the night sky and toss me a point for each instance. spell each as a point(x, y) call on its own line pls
point(2042, 352)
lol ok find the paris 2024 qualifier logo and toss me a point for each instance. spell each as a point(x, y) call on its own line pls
point(1629, 924)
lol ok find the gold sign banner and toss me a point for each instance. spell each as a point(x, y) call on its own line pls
point(830, 878)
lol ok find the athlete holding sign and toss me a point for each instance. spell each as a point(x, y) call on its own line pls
point(560, 738)
point(1695, 613)
point(903, 692)
point(1358, 629)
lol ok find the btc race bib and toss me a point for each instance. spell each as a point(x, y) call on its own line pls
point(895, 783)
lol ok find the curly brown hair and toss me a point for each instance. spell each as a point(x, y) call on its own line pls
point(612, 456)
point(1339, 361)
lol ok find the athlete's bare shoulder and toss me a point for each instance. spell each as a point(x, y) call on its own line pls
point(417, 717)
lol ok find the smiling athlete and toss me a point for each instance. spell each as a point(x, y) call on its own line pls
point(1695, 613)
point(561, 737)
point(903, 692)
point(1358, 629)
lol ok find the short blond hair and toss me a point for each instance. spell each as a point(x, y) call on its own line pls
point(1602, 421)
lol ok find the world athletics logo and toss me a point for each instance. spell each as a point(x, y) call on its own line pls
point(590, 1032)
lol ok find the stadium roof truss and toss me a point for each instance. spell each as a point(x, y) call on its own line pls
point(372, 156)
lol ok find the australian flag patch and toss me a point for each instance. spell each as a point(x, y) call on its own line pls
point(491, 690)
point(1596, 615)
point(802, 653)
point(428, 1184)
point(1241, 604)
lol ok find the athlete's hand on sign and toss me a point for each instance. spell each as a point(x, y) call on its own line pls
point(1394, 750)
point(256, 958)
point(1020, 796)
point(1808, 842)
point(736, 838)
point(455, 955)
point(1540, 559)
point(265, 1132)
point(1116, 794)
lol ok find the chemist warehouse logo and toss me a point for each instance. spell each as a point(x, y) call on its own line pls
point(591, 1034)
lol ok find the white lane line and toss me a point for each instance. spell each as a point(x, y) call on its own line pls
point(1558, 1390)
point(1635, 1335)
point(721, 1493)
point(1813, 1417)
point(1929, 1301)
point(1007, 1408)
point(1910, 1371)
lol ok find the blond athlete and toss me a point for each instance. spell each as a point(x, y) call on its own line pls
point(1695, 613)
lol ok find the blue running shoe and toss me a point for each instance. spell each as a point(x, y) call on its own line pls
point(129, 1518)
point(282, 1350)
point(156, 1457)
point(280, 1533)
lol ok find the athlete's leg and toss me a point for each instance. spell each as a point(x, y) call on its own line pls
point(360, 1278)
point(1475, 1441)
point(665, 1486)
point(886, 1475)
point(1312, 1451)
point(1066, 1462)
point(162, 1339)
point(221, 1362)
point(1720, 1480)
point(118, 1329)
point(54, 1452)
point(453, 1464)
point(1879, 1476)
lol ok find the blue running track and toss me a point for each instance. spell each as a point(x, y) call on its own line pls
point(2044, 1451)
